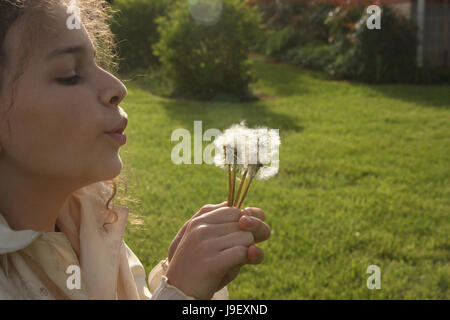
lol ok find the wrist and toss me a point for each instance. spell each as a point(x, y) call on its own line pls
point(172, 281)
point(177, 283)
point(169, 285)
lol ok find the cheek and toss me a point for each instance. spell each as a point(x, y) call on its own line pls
point(54, 134)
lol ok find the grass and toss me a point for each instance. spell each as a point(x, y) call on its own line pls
point(364, 180)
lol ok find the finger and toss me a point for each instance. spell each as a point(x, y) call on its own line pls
point(220, 215)
point(210, 207)
point(260, 230)
point(205, 209)
point(219, 230)
point(238, 238)
point(232, 257)
point(255, 255)
point(255, 212)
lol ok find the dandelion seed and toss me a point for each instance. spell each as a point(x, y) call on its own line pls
point(269, 143)
point(231, 157)
point(251, 152)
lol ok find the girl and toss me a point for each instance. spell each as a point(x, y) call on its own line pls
point(59, 238)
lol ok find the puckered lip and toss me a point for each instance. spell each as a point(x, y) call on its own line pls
point(119, 128)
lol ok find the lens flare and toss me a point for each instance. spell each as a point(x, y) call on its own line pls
point(206, 12)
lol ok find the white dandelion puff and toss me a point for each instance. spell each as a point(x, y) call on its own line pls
point(266, 152)
point(251, 152)
point(231, 146)
point(269, 144)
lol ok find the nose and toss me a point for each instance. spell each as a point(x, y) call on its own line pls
point(114, 92)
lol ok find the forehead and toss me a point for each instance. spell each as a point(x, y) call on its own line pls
point(41, 32)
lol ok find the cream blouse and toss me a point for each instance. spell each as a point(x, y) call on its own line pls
point(43, 265)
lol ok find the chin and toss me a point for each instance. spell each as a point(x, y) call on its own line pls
point(109, 169)
point(116, 168)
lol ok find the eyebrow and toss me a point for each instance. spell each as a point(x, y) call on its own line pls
point(68, 50)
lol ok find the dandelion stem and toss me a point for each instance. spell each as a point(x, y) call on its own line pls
point(240, 188)
point(233, 184)
point(245, 191)
point(229, 186)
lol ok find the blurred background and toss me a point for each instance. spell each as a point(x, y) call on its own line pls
point(364, 120)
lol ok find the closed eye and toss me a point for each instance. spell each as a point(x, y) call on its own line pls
point(70, 81)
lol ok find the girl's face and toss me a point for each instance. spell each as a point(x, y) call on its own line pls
point(62, 107)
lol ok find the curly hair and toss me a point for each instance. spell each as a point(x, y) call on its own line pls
point(95, 15)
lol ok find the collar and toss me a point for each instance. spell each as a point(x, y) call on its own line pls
point(12, 240)
point(82, 219)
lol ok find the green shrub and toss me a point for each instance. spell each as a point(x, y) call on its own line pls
point(276, 42)
point(335, 39)
point(341, 22)
point(136, 31)
point(278, 14)
point(317, 56)
point(311, 25)
point(204, 61)
point(385, 55)
point(291, 25)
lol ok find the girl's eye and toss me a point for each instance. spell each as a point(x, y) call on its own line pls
point(70, 81)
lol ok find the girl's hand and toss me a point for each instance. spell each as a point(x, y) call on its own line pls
point(256, 225)
point(212, 249)
point(206, 208)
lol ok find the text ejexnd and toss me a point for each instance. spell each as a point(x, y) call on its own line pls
point(240, 309)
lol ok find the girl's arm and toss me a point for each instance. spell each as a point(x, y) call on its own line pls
point(134, 282)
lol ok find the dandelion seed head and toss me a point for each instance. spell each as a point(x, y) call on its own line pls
point(220, 155)
point(233, 144)
point(254, 150)
point(266, 172)
point(267, 151)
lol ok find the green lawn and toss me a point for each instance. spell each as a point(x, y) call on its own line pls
point(364, 179)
